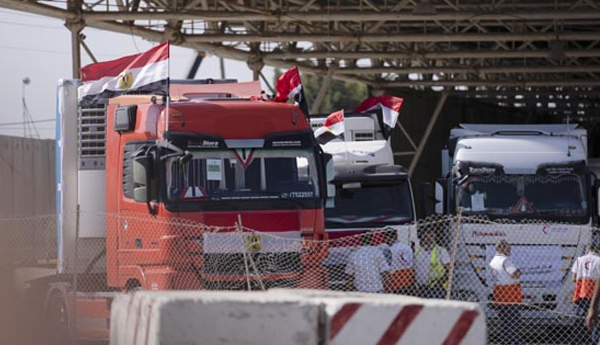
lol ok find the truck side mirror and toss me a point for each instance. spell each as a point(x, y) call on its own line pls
point(329, 176)
point(441, 194)
point(141, 178)
point(143, 172)
point(597, 199)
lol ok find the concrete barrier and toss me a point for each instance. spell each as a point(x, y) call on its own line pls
point(292, 317)
point(210, 317)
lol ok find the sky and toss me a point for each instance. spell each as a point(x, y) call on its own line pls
point(39, 48)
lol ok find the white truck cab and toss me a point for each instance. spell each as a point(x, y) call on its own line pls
point(529, 185)
point(372, 193)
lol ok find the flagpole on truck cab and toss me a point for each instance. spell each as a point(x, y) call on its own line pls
point(168, 88)
point(568, 137)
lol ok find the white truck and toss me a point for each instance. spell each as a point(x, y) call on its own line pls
point(371, 192)
point(535, 178)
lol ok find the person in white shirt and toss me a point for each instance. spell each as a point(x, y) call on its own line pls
point(367, 269)
point(432, 263)
point(585, 273)
point(399, 256)
point(507, 294)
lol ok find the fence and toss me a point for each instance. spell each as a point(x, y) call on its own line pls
point(156, 253)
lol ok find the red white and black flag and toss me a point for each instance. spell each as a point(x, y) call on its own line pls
point(390, 108)
point(332, 128)
point(288, 86)
point(147, 72)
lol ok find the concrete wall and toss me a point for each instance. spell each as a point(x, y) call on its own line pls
point(27, 200)
point(27, 183)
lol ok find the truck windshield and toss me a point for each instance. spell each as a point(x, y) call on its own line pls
point(371, 205)
point(243, 174)
point(562, 196)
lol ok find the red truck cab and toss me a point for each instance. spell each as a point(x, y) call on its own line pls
point(236, 186)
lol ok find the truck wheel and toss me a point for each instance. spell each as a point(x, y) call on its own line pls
point(57, 320)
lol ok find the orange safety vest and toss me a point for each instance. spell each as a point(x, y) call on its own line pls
point(584, 288)
point(508, 294)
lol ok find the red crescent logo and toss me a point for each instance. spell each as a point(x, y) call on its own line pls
point(402, 258)
point(544, 230)
point(586, 265)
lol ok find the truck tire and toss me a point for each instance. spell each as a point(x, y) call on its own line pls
point(57, 320)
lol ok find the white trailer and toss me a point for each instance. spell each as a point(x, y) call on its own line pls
point(536, 179)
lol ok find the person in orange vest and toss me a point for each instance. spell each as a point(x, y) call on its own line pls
point(399, 257)
point(507, 294)
point(585, 273)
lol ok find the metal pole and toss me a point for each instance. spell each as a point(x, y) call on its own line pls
point(271, 88)
point(75, 25)
point(222, 67)
point(453, 257)
point(412, 143)
point(239, 230)
point(75, 267)
point(86, 48)
point(428, 130)
point(323, 90)
point(75, 51)
point(25, 81)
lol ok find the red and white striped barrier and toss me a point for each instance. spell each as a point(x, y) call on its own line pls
point(292, 317)
point(354, 318)
point(404, 323)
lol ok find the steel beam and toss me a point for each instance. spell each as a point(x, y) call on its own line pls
point(343, 16)
point(492, 83)
point(472, 69)
point(411, 55)
point(317, 15)
point(392, 37)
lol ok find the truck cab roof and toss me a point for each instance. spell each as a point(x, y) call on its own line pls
point(519, 149)
point(473, 130)
point(369, 173)
point(361, 126)
point(357, 152)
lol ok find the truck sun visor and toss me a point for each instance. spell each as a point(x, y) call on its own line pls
point(561, 168)
point(477, 168)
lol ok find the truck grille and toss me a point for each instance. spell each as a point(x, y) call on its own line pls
point(92, 138)
point(266, 263)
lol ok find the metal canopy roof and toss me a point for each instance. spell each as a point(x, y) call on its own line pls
point(541, 55)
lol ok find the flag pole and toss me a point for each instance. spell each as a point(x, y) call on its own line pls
point(168, 85)
point(303, 104)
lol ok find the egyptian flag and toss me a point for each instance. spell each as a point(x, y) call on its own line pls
point(390, 108)
point(288, 86)
point(147, 72)
point(332, 128)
